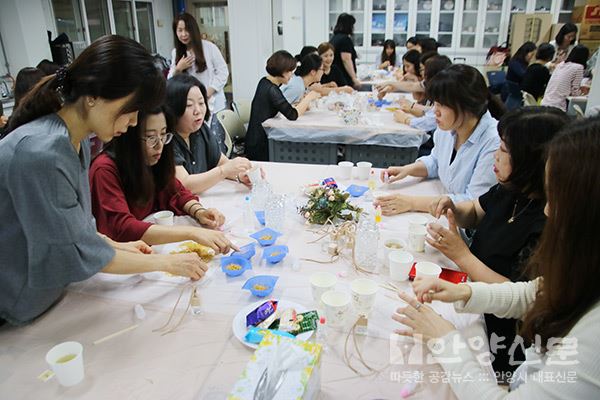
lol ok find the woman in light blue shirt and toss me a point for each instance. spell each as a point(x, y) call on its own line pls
point(465, 141)
point(307, 73)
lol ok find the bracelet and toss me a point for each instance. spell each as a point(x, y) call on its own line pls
point(412, 105)
point(237, 178)
point(196, 212)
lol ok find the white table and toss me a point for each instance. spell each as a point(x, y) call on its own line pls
point(202, 359)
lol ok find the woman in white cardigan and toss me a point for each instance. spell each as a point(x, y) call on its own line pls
point(560, 309)
point(199, 58)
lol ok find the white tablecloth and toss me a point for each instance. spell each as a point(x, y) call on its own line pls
point(202, 359)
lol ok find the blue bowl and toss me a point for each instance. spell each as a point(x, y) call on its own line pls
point(248, 251)
point(356, 190)
point(266, 237)
point(268, 281)
point(242, 262)
point(260, 216)
point(274, 254)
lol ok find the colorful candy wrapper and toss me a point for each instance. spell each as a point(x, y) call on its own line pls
point(255, 335)
point(261, 313)
point(330, 183)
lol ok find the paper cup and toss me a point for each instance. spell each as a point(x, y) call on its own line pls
point(254, 175)
point(400, 264)
point(426, 269)
point(66, 360)
point(364, 292)
point(337, 305)
point(416, 238)
point(320, 283)
point(364, 169)
point(391, 245)
point(345, 170)
point(164, 217)
point(416, 220)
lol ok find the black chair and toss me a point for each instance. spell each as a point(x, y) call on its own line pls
point(514, 97)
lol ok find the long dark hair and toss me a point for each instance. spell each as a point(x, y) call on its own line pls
point(526, 132)
point(112, 67)
point(413, 57)
point(579, 55)
point(389, 44)
point(178, 88)
point(568, 255)
point(345, 24)
point(567, 28)
point(27, 78)
point(311, 62)
point(195, 40)
point(463, 89)
point(522, 52)
point(139, 181)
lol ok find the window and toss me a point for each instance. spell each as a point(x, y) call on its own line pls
point(145, 25)
point(67, 14)
point(97, 18)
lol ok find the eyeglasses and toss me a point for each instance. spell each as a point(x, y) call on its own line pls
point(152, 141)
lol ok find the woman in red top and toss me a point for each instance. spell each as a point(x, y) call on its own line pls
point(135, 176)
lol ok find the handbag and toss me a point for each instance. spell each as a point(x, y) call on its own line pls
point(498, 55)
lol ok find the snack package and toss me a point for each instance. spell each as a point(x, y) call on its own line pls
point(306, 321)
point(261, 313)
point(255, 335)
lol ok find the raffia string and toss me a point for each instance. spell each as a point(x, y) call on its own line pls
point(373, 371)
point(192, 297)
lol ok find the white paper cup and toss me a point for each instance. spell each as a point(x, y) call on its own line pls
point(416, 220)
point(337, 306)
point(345, 170)
point(320, 283)
point(401, 263)
point(390, 245)
point(426, 269)
point(254, 175)
point(416, 238)
point(364, 292)
point(364, 170)
point(66, 360)
point(164, 217)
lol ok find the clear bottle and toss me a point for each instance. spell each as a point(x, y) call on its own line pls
point(322, 333)
point(366, 242)
point(195, 303)
point(248, 216)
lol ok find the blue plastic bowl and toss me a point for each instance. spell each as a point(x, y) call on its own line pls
point(268, 281)
point(242, 262)
point(260, 216)
point(274, 254)
point(356, 190)
point(248, 251)
point(267, 232)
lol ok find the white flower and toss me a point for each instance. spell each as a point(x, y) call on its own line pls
point(331, 198)
point(330, 193)
point(307, 215)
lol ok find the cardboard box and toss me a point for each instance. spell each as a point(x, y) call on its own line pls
point(303, 383)
point(577, 15)
point(529, 27)
point(590, 23)
point(590, 44)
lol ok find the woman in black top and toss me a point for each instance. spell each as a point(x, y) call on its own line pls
point(268, 101)
point(345, 54)
point(537, 75)
point(509, 218)
point(199, 162)
point(331, 72)
point(519, 62)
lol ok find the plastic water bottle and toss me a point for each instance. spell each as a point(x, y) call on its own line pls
point(366, 242)
point(248, 215)
point(322, 333)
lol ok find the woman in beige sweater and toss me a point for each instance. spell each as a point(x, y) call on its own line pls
point(560, 309)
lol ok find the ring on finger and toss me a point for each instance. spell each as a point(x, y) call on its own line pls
point(418, 305)
point(439, 239)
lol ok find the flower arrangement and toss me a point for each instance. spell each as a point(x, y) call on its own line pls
point(328, 203)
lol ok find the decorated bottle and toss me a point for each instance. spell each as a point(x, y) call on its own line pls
point(366, 242)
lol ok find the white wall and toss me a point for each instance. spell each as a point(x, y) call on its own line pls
point(163, 15)
point(251, 44)
point(315, 22)
point(23, 28)
point(293, 25)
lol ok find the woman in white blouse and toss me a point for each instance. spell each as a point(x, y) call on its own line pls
point(560, 309)
point(199, 58)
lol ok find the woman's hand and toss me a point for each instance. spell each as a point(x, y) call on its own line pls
point(393, 204)
point(345, 89)
point(232, 168)
point(429, 289)
point(312, 95)
point(211, 218)
point(3, 121)
point(188, 264)
point(395, 173)
point(245, 179)
point(402, 117)
point(448, 241)
point(214, 239)
point(441, 205)
point(184, 63)
point(384, 65)
point(421, 319)
point(138, 247)
point(405, 104)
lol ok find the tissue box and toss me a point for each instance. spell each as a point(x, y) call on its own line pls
point(301, 382)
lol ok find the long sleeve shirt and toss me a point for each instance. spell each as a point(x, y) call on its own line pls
point(471, 173)
point(118, 219)
point(564, 82)
point(576, 357)
point(214, 76)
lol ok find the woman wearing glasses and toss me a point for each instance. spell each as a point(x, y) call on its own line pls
point(135, 177)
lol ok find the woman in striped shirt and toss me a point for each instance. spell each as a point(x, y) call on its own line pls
point(566, 79)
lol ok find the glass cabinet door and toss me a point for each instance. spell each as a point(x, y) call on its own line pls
point(446, 22)
point(491, 29)
point(97, 17)
point(357, 9)
point(123, 18)
point(543, 5)
point(566, 9)
point(423, 28)
point(336, 7)
point(378, 25)
point(518, 6)
point(400, 21)
point(469, 23)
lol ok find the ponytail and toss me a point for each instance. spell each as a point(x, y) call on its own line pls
point(495, 106)
point(41, 100)
point(311, 62)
